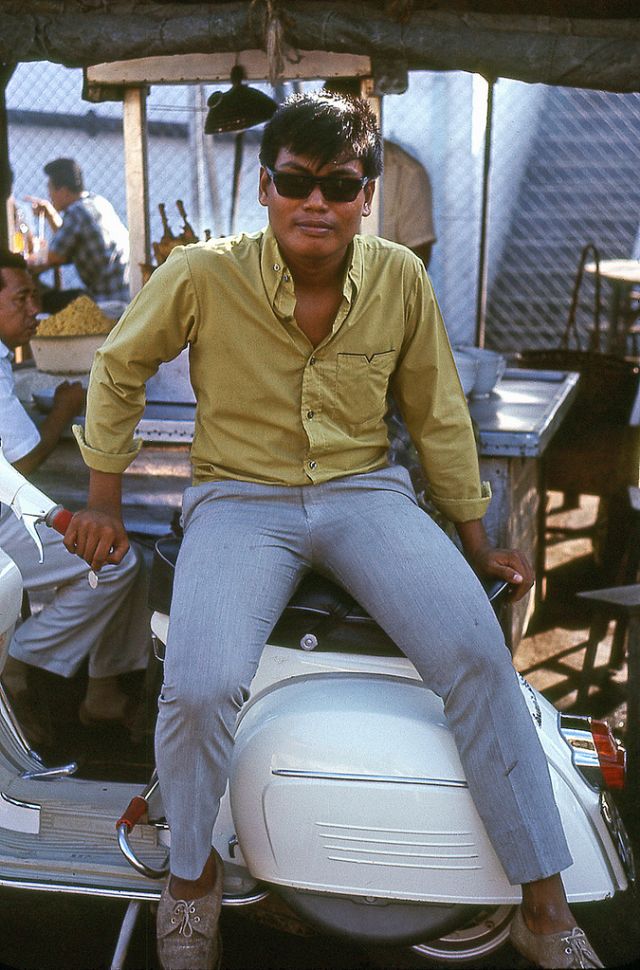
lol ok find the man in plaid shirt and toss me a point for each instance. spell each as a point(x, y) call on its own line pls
point(87, 233)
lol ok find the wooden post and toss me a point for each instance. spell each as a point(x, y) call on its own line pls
point(6, 70)
point(481, 293)
point(136, 172)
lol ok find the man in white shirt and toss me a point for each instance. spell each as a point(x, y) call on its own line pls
point(108, 624)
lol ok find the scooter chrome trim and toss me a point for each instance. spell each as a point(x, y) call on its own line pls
point(19, 816)
point(151, 895)
point(384, 779)
point(134, 861)
point(18, 802)
point(10, 719)
point(105, 892)
point(256, 897)
point(618, 833)
point(50, 774)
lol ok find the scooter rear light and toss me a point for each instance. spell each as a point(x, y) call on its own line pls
point(611, 755)
point(595, 752)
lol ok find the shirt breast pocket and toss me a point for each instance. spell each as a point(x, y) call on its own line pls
point(362, 382)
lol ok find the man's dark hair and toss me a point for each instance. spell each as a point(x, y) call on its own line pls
point(9, 260)
point(347, 87)
point(65, 173)
point(324, 127)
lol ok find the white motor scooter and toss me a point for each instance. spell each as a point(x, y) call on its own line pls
point(346, 792)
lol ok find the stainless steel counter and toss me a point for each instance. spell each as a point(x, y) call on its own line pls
point(523, 413)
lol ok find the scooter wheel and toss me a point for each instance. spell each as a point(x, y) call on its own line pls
point(486, 933)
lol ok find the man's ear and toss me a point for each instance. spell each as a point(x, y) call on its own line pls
point(263, 183)
point(369, 191)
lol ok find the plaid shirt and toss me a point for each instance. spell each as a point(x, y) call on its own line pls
point(95, 240)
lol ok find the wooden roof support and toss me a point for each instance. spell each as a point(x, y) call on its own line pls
point(594, 53)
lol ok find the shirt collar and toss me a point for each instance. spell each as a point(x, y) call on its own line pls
point(272, 266)
point(276, 275)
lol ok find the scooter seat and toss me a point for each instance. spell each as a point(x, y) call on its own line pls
point(320, 615)
point(316, 594)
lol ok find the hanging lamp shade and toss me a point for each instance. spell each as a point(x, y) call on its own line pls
point(238, 108)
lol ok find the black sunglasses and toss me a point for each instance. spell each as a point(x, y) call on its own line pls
point(334, 189)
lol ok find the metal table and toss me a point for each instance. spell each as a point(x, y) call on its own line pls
point(523, 413)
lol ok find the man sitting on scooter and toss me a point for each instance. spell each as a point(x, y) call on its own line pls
point(107, 625)
point(296, 333)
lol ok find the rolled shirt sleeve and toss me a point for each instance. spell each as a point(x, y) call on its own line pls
point(156, 327)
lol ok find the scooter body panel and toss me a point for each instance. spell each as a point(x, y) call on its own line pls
point(350, 782)
point(336, 713)
point(10, 600)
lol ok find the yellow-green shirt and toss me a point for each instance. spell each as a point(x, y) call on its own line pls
point(271, 408)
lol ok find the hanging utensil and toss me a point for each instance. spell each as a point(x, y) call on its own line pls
point(235, 187)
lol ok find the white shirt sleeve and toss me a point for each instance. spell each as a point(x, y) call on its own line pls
point(18, 433)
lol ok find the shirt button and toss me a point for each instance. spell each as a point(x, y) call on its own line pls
point(312, 361)
point(286, 277)
point(276, 267)
point(313, 464)
point(310, 414)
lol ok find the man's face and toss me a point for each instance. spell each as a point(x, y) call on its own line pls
point(60, 196)
point(19, 303)
point(314, 226)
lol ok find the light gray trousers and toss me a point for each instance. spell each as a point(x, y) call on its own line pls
point(109, 624)
point(245, 548)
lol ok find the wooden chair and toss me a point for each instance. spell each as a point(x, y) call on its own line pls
point(618, 602)
point(596, 457)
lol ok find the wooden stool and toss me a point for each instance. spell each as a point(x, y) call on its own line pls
point(626, 573)
point(629, 569)
point(623, 602)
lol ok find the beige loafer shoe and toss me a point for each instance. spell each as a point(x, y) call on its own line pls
point(553, 951)
point(188, 933)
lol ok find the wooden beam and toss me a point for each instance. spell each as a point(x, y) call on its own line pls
point(602, 54)
point(204, 68)
point(6, 218)
point(137, 183)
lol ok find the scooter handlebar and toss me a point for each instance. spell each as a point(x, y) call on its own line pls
point(59, 519)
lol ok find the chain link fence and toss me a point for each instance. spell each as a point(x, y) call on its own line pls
point(563, 173)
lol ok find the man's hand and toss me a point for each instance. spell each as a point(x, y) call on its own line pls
point(46, 208)
point(97, 537)
point(96, 533)
point(508, 564)
point(69, 399)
